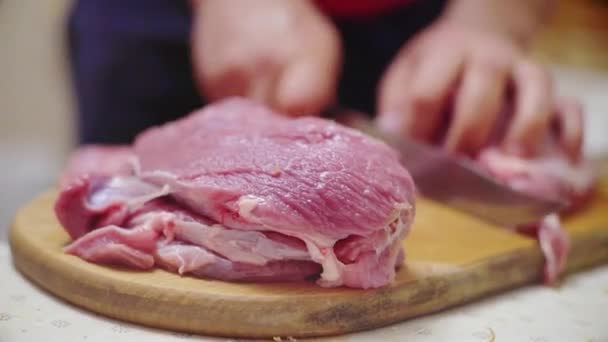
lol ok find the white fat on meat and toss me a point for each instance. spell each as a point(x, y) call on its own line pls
point(246, 206)
point(130, 190)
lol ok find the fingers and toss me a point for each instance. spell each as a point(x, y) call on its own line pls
point(284, 54)
point(478, 104)
point(305, 87)
point(533, 108)
point(569, 113)
point(414, 93)
point(299, 87)
point(393, 109)
point(308, 83)
point(223, 76)
point(263, 83)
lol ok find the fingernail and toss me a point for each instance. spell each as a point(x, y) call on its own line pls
point(390, 122)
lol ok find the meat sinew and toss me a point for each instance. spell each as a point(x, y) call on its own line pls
point(237, 192)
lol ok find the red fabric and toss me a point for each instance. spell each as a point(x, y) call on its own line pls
point(359, 8)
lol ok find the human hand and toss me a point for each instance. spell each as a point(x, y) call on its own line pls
point(285, 54)
point(472, 70)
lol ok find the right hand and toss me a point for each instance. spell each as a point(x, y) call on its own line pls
point(285, 54)
point(474, 70)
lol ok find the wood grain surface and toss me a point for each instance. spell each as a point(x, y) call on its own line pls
point(451, 259)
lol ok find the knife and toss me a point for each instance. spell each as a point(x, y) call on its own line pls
point(455, 181)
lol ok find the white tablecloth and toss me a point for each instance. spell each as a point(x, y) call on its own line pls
point(577, 311)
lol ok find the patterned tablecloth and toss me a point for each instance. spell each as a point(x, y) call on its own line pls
point(576, 311)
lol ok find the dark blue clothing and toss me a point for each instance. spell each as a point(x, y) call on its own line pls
point(131, 61)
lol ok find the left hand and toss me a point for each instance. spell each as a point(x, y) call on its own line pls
point(473, 68)
point(285, 54)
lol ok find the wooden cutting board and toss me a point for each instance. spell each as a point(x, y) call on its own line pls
point(451, 259)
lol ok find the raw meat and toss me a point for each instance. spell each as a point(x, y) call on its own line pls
point(237, 192)
point(551, 176)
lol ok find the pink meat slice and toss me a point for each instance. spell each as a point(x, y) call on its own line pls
point(237, 192)
point(164, 234)
point(550, 176)
point(200, 262)
point(115, 245)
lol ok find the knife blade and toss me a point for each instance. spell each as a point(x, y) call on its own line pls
point(455, 181)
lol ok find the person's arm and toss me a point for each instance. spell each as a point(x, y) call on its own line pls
point(519, 19)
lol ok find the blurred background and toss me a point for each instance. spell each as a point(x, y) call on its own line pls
point(37, 110)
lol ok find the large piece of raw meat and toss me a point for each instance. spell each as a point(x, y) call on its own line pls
point(237, 192)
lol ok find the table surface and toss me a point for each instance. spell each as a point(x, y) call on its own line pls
point(575, 311)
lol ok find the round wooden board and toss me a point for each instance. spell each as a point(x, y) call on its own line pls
point(452, 258)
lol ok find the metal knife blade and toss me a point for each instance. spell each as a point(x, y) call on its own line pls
point(456, 182)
